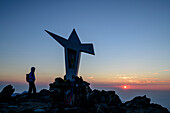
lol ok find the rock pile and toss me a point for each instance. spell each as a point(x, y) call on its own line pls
point(70, 93)
point(83, 100)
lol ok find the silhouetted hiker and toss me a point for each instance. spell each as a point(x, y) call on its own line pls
point(31, 82)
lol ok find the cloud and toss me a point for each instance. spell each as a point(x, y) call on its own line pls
point(127, 76)
point(164, 81)
point(152, 73)
point(166, 70)
point(155, 73)
point(124, 77)
point(91, 77)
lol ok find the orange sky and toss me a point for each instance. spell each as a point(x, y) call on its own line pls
point(132, 81)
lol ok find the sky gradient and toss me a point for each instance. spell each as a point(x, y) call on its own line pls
point(131, 41)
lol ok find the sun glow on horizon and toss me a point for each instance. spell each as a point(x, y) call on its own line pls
point(124, 87)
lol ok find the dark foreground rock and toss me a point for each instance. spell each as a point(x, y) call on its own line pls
point(6, 93)
point(55, 100)
point(142, 105)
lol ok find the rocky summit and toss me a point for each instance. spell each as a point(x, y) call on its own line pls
point(65, 97)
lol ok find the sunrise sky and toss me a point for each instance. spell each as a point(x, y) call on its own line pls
point(131, 41)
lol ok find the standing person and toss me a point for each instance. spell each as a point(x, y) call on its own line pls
point(31, 82)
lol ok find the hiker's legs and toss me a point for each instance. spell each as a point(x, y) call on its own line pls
point(30, 89)
point(34, 89)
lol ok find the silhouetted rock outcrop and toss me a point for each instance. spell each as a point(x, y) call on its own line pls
point(86, 101)
point(138, 101)
point(142, 105)
point(6, 93)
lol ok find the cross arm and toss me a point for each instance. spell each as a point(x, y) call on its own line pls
point(59, 39)
point(87, 48)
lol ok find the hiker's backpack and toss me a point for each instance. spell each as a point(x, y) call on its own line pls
point(27, 77)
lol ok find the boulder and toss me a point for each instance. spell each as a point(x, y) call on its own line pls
point(56, 110)
point(113, 99)
point(158, 108)
point(44, 92)
point(115, 109)
point(4, 110)
point(94, 96)
point(141, 104)
point(138, 101)
point(102, 108)
point(72, 110)
point(59, 80)
point(39, 111)
point(108, 97)
point(6, 93)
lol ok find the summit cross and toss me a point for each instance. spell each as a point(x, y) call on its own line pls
point(73, 48)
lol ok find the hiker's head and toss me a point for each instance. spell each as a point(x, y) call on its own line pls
point(32, 69)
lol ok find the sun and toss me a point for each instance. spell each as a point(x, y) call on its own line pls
point(125, 87)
